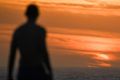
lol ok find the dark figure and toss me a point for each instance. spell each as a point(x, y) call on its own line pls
point(30, 39)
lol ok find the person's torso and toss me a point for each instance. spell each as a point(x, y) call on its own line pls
point(29, 38)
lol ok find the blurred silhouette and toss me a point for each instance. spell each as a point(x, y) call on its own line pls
point(30, 40)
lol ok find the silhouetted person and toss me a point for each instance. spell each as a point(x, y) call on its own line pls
point(30, 40)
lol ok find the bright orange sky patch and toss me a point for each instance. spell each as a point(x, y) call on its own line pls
point(103, 56)
point(105, 65)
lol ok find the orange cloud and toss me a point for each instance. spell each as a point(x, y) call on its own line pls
point(105, 65)
point(85, 43)
point(99, 8)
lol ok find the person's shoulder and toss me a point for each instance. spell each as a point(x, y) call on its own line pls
point(18, 29)
point(41, 28)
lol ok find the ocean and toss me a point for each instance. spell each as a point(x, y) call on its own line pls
point(80, 74)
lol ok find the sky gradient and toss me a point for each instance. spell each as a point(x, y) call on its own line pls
point(81, 33)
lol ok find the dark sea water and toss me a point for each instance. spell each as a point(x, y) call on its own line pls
point(80, 74)
point(87, 74)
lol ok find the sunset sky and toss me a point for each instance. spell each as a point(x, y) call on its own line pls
point(81, 33)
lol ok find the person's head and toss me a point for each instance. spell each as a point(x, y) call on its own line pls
point(32, 12)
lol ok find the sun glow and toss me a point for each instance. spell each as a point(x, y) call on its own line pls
point(102, 57)
point(105, 57)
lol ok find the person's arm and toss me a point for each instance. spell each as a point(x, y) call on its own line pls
point(45, 59)
point(12, 58)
